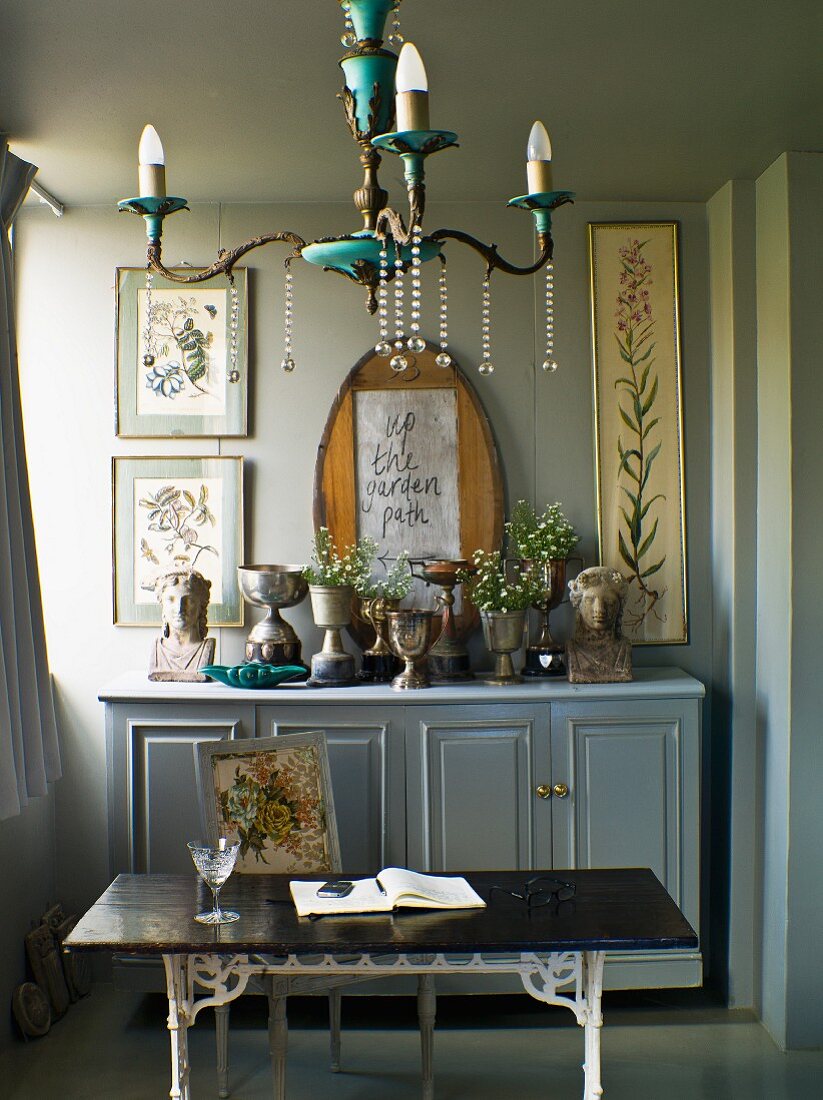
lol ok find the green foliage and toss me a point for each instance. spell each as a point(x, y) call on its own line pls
point(395, 585)
point(330, 567)
point(542, 538)
point(489, 587)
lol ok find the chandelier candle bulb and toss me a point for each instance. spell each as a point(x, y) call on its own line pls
point(539, 160)
point(412, 86)
point(151, 164)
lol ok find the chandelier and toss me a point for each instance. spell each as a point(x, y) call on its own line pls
point(385, 99)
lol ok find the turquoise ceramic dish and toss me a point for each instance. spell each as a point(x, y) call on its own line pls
point(255, 675)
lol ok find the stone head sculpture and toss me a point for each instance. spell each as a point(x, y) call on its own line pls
point(183, 596)
point(598, 652)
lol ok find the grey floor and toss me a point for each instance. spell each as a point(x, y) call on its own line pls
point(666, 1047)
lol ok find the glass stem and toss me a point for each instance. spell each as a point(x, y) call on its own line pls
point(215, 892)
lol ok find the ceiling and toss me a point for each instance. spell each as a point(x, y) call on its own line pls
point(653, 100)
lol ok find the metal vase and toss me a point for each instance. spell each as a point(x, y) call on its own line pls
point(503, 634)
point(274, 587)
point(379, 663)
point(545, 656)
point(410, 638)
point(333, 666)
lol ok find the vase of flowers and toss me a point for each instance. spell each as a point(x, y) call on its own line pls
point(542, 545)
point(377, 599)
point(333, 577)
point(503, 597)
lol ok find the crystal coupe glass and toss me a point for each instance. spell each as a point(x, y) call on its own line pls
point(214, 866)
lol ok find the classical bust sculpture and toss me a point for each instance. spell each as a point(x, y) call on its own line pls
point(598, 653)
point(183, 647)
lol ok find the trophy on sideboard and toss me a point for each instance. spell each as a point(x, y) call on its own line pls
point(448, 659)
point(545, 656)
point(273, 641)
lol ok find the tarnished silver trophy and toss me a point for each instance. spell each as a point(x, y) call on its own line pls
point(410, 638)
point(545, 656)
point(273, 641)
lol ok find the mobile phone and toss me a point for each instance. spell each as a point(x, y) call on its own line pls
point(340, 888)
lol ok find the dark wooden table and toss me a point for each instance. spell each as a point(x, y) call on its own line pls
point(558, 950)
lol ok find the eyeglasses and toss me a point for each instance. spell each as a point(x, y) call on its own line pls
point(540, 891)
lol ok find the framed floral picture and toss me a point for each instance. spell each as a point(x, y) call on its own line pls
point(175, 357)
point(173, 513)
point(639, 423)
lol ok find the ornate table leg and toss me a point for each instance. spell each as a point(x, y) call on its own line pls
point(335, 999)
point(277, 989)
point(176, 967)
point(592, 1022)
point(221, 1034)
point(426, 1009)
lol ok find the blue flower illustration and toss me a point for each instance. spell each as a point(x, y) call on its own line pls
point(166, 379)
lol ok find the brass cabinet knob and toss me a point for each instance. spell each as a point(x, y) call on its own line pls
point(561, 790)
point(544, 791)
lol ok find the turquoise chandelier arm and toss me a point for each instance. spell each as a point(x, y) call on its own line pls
point(226, 259)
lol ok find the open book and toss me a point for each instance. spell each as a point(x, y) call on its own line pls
point(393, 888)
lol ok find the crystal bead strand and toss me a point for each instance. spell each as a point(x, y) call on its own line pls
point(288, 363)
point(148, 333)
point(550, 363)
point(234, 322)
point(383, 348)
point(415, 343)
point(396, 39)
point(398, 362)
point(486, 367)
point(444, 359)
point(348, 37)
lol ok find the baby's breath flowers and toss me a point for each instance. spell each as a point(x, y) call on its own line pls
point(332, 568)
point(490, 589)
point(540, 538)
point(394, 586)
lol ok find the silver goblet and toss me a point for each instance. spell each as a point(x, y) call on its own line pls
point(273, 640)
point(410, 638)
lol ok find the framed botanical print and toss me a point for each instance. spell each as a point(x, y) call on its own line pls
point(175, 356)
point(639, 423)
point(173, 513)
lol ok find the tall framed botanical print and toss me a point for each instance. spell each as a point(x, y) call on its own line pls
point(639, 423)
point(173, 513)
point(175, 356)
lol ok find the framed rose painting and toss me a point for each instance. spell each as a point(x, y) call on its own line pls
point(639, 423)
point(178, 346)
point(173, 513)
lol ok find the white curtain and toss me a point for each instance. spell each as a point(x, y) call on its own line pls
point(29, 755)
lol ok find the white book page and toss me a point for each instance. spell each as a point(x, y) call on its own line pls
point(410, 888)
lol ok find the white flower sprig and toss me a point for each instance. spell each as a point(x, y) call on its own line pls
point(396, 584)
point(331, 568)
point(490, 589)
point(542, 538)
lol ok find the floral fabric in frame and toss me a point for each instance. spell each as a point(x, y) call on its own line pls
point(639, 423)
point(273, 796)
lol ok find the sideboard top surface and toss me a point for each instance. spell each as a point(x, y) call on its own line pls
point(649, 683)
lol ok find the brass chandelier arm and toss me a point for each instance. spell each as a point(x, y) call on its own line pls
point(390, 224)
point(492, 256)
point(226, 258)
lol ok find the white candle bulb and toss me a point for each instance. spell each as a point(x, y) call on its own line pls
point(221, 844)
point(540, 148)
point(151, 161)
point(411, 72)
point(412, 100)
point(539, 156)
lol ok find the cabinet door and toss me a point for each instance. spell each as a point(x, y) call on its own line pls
point(153, 806)
point(633, 772)
point(472, 774)
point(366, 760)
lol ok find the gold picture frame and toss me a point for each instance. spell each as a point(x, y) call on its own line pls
point(171, 512)
point(641, 519)
point(171, 379)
